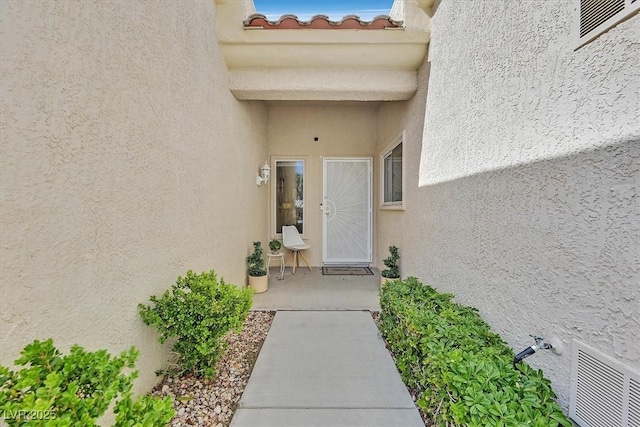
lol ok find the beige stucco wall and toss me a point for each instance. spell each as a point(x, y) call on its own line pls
point(404, 118)
point(527, 204)
point(342, 131)
point(125, 161)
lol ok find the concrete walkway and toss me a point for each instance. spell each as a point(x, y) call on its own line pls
point(325, 368)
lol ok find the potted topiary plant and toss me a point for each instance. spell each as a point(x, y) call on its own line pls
point(275, 245)
point(258, 280)
point(392, 272)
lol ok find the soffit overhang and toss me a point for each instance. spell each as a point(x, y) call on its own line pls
point(307, 64)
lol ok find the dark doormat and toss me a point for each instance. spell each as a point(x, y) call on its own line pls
point(346, 271)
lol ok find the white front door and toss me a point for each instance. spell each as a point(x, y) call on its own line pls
point(347, 211)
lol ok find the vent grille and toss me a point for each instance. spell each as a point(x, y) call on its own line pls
point(594, 13)
point(604, 393)
point(598, 16)
point(634, 403)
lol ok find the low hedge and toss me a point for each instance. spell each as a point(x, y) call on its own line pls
point(57, 390)
point(196, 314)
point(462, 370)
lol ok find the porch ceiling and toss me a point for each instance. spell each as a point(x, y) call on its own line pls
point(322, 64)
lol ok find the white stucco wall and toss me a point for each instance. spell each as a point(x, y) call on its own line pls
point(509, 89)
point(528, 203)
point(125, 161)
point(343, 130)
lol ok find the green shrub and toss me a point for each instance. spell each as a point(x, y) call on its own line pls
point(463, 371)
point(198, 311)
point(393, 269)
point(75, 390)
point(255, 261)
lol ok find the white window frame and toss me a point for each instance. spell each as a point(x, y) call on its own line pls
point(274, 192)
point(399, 205)
point(631, 7)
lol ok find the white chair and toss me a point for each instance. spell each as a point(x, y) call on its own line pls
point(291, 240)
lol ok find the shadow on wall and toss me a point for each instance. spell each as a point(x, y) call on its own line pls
point(549, 248)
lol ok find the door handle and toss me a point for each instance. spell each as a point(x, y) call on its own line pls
point(327, 210)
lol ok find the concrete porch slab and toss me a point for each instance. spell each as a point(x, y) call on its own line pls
point(325, 368)
point(310, 290)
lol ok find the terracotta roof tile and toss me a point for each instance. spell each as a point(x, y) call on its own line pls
point(321, 22)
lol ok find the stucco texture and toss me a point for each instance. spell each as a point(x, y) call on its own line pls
point(528, 205)
point(394, 119)
point(125, 162)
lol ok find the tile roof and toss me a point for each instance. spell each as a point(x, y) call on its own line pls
point(321, 22)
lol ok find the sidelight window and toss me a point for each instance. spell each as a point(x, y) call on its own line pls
point(289, 193)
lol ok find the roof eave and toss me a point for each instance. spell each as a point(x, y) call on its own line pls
point(319, 64)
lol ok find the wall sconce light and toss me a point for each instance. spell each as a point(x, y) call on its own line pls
point(265, 172)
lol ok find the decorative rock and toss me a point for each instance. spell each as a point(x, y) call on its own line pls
point(205, 402)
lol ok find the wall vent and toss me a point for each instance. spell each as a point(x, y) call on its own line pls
point(597, 16)
point(597, 12)
point(634, 403)
point(604, 393)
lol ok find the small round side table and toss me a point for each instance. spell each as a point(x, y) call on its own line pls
point(279, 255)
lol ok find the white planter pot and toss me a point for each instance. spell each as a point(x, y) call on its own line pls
point(259, 284)
point(384, 280)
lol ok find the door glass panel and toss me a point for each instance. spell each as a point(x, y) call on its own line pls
point(290, 194)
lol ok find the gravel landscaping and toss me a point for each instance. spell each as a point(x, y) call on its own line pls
point(200, 402)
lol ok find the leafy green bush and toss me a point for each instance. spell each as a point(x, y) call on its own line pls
point(75, 390)
point(393, 269)
point(463, 371)
point(198, 311)
point(255, 261)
